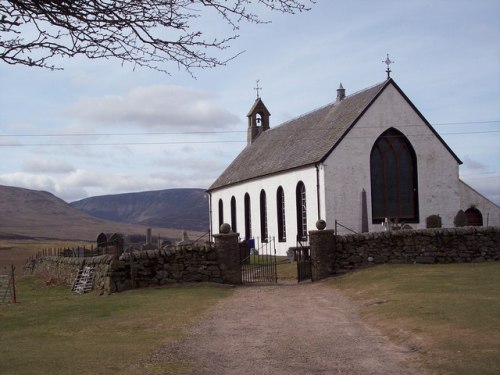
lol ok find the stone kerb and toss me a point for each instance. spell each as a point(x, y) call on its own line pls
point(228, 255)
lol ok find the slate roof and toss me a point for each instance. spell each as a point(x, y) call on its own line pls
point(303, 141)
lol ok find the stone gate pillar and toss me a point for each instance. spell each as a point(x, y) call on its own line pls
point(228, 255)
point(322, 244)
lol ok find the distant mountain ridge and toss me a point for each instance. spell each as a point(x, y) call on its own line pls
point(26, 214)
point(170, 208)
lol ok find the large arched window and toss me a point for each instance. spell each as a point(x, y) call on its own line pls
point(280, 210)
point(221, 212)
point(393, 171)
point(233, 214)
point(263, 216)
point(301, 211)
point(248, 218)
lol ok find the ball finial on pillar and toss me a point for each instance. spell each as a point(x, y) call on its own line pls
point(321, 224)
point(225, 228)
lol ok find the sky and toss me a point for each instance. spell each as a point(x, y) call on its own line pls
point(101, 127)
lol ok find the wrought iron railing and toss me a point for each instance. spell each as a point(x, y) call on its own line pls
point(303, 258)
point(258, 261)
point(337, 224)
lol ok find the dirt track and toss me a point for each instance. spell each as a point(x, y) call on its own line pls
point(288, 329)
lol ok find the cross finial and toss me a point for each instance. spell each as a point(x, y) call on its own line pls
point(388, 62)
point(257, 88)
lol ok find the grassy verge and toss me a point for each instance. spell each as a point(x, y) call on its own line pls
point(286, 270)
point(52, 331)
point(448, 314)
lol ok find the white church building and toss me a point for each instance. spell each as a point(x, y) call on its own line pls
point(365, 159)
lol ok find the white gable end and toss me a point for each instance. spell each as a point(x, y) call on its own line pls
point(347, 169)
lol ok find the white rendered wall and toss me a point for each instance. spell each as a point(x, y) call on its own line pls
point(490, 211)
point(288, 181)
point(347, 169)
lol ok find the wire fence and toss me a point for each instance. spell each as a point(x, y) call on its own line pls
point(77, 252)
point(8, 285)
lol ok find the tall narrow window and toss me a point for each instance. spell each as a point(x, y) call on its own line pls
point(263, 216)
point(393, 170)
point(248, 218)
point(280, 210)
point(221, 212)
point(233, 214)
point(301, 211)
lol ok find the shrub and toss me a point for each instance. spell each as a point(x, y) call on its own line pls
point(460, 219)
point(433, 221)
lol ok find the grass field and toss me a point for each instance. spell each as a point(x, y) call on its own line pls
point(16, 252)
point(52, 331)
point(448, 314)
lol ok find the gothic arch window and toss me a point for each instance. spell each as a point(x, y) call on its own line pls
point(393, 172)
point(474, 217)
point(248, 218)
point(263, 216)
point(301, 211)
point(233, 214)
point(280, 210)
point(221, 212)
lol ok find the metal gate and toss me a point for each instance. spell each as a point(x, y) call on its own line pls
point(303, 258)
point(258, 261)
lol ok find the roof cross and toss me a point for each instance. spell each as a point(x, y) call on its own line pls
point(257, 88)
point(388, 62)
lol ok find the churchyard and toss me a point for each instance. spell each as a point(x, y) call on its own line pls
point(448, 315)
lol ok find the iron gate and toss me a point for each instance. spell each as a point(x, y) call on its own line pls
point(258, 261)
point(303, 258)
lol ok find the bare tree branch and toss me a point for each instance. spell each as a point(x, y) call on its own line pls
point(146, 33)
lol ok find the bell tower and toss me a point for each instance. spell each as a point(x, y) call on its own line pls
point(258, 118)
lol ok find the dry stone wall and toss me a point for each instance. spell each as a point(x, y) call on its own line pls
point(168, 265)
point(64, 269)
point(192, 263)
point(329, 254)
point(453, 245)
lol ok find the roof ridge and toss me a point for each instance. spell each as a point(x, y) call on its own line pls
point(331, 104)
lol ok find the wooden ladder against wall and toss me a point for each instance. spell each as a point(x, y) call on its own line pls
point(84, 280)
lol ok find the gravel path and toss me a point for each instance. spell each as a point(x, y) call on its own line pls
point(279, 329)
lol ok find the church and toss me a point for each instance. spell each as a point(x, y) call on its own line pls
point(363, 163)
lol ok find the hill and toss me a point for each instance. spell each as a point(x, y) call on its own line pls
point(38, 214)
point(171, 208)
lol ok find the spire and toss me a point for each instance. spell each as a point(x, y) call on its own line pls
point(340, 93)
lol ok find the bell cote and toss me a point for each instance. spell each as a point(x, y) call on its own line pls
point(258, 120)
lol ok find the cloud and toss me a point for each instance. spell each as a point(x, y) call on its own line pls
point(81, 183)
point(29, 181)
point(8, 141)
point(38, 166)
point(156, 107)
point(472, 164)
point(191, 164)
